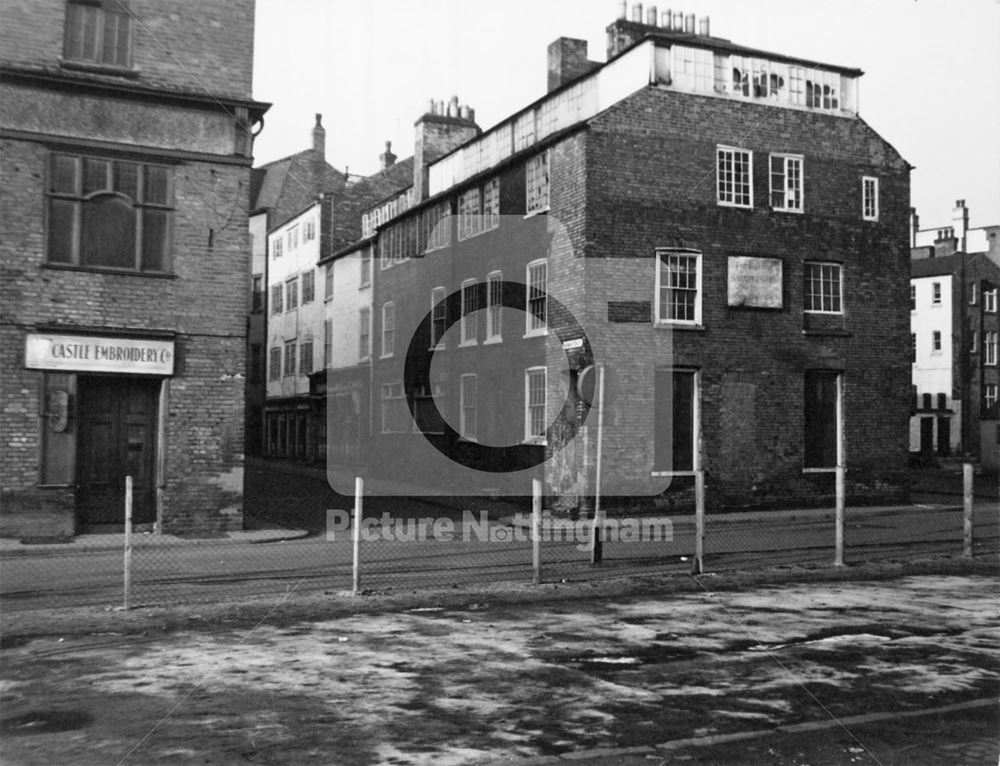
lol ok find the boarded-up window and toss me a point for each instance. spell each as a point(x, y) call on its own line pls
point(674, 437)
point(820, 401)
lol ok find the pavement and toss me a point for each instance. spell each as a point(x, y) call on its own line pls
point(887, 671)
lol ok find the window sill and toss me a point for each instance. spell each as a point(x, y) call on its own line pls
point(832, 332)
point(735, 205)
point(536, 334)
point(109, 270)
point(833, 469)
point(386, 356)
point(661, 474)
point(541, 211)
point(686, 326)
point(534, 443)
point(492, 341)
point(468, 344)
point(787, 210)
point(92, 67)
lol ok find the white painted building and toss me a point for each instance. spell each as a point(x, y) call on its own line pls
point(931, 327)
point(294, 331)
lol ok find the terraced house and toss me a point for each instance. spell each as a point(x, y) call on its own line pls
point(126, 135)
point(716, 226)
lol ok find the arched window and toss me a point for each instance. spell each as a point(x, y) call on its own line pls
point(109, 213)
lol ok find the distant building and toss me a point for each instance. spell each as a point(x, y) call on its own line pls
point(280, 190)
point(126, 133)
point(954, 277)
point(303, 322)
point(734, 238)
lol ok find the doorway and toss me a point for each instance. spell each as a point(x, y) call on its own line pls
point(117, 438)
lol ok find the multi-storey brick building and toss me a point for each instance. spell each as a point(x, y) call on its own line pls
point(954, 326)
point(126, 135)
point(716, 223)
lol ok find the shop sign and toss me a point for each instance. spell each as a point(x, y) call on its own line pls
point(86, 353)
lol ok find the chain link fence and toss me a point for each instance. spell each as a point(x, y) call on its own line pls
point(300, 538)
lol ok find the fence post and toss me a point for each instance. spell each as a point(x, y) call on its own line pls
point(596, 536)
point(698, 565)
point(838, 546)
point(128, 539)
point(967, 496)
point(536, 531)
point(359, 490)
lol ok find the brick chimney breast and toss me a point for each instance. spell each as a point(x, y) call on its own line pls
point(567, 61)
point(436, 133)
point(319, 139)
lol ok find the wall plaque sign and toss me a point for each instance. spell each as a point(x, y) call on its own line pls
point(754, 282)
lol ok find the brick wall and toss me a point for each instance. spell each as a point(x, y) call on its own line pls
point(205, 48)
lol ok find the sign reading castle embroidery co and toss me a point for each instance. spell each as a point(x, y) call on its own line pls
point(88, 353)
point(754, 282)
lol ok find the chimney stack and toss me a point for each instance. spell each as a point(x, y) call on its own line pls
point(387, 158)
point(945, 243)
point(438, 132)
point(319, 139)
point(960, 223)
point(567, 61)
point(914, 226)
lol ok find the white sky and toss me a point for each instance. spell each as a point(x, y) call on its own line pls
point(930, 87)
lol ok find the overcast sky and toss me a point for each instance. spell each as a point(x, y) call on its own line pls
point(930, 88)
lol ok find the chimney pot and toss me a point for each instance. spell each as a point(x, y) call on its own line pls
point(319, 138)
point(703, 28)
point(678, 24)
point(651, 16)
point(637, 12)
point(665, 19)
point(689, 23)
point(623, 9)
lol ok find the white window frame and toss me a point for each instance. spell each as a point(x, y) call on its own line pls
point(470, 213)
point(532, 326)
point(660, 288)
point(791, 178)
point(840, 279)
point(936, 342)
point(494, 307)
point(392, 403)
point(292, 293)
point(293, 238)
point(364, 333)
point(309, 230)
point(935, 293)
point(328, 283)
point(529, 436)
point(277, 299)
point(913, 297)
point(275, 363)
point(310, 278)
point(990, 347)
point(491, 205)
point(869, 198)
point(990, 395)
point(290, 356)
point(537, 184)
point(990, 301)
point(469, 319)
point(366, 268)
point(388, 345)
point(728, 198)
point(439, 312)
point(695, 424)
point(468, 413)
point(277, 247)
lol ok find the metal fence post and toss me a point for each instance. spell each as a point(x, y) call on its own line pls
point(596, 536)
point(128, 539)
point(838, 550)
point(967, 496)
point(698, 565)
point(536, 531)
point(359, 490)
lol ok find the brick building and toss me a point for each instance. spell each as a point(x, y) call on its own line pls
point(126, 152)
point(954, 326)
point(723, 228)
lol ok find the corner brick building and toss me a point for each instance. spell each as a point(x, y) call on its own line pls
point(729, 234)
point(126, 136)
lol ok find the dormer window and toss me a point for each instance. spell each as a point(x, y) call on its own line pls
point(99, 32)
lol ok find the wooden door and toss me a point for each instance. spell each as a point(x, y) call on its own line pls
point(117, 439)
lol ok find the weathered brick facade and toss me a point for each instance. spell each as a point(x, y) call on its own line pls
point(154, 111)
point(641, 174)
